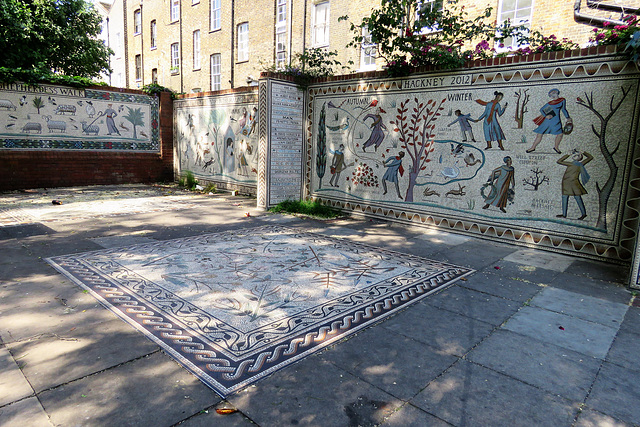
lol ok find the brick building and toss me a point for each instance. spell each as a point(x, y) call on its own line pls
point(204, 45)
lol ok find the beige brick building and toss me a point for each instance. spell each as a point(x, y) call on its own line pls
point(204, 45)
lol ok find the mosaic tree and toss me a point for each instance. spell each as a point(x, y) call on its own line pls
point(321, 145)
point(522, 99)
point(416, 135)
point(215, 121)
point(608, 151)
point(136, 118)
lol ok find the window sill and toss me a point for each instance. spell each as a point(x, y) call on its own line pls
point(153, 48)
point(137, 34)
point(242, 62)
point(174, 22)
point(175, 73)
point(196, 69)
point(320, 45)
point(215, 30)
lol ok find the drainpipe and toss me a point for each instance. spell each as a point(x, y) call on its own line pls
point(126, 44)
point(304, 29)
point(590, 19)
point(109, 47)
point(290, 32)
point(181, 62)
point(233, 45)
point(612, 7)
point(142, 32)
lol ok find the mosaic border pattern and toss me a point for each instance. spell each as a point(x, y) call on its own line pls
point(226, 374)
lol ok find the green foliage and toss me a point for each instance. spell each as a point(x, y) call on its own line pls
point(52, 35)
point(38, 103)
point(310, 64)
point(37, 76)
point(306, 207)
point(156, 89)
point(188, 181)
point(410, 33)
point(626, 36)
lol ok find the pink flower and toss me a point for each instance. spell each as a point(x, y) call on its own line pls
point(621, 27)
point(606, 23)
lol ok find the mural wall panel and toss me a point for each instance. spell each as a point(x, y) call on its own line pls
point(539, 154)
point(47, 117)
point(217, 138)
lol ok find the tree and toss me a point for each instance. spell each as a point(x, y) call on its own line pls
point(321, 145)
point(536, 180)
point(52, 35)
point(135, 117)
point(607, 149)
point(522, 99)
point(416, 135)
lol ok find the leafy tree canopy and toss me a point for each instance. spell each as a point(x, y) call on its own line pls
point(52, 35)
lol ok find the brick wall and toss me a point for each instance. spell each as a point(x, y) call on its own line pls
point(23, 169)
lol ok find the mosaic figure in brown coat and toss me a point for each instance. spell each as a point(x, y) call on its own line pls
point(571, 185)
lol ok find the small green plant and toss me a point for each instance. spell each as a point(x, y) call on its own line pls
point(188, 181)
point(306, 207)
point(156, 89)
point(210, 188)
point(310, 64)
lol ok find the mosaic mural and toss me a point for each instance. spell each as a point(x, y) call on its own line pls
point(538, 154)
point(63, 118)
point(217, 137)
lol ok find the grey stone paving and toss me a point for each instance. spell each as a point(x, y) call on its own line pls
point(532, 339)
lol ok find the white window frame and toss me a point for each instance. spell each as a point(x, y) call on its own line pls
point(174, 11)
point(138, 65)
point(515, 21)
point(215, 62)
point(320, 25)
point(243, 42)
point(154, 75)
point(117, 49)
point(215, 19)
point(281, 33)
point(367, 59)
point(196, 50)
point(137, 22)
point(154, 34)
point(175, 58)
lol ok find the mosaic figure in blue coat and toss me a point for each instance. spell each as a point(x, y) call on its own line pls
point(377, 130)
point(465, 127)
point(394, 166)
point(490, 125)
point(550, 122)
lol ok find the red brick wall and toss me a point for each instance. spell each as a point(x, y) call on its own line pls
point(23, 169)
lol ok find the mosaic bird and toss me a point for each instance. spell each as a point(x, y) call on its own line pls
point(52, 101)
point(23, 100)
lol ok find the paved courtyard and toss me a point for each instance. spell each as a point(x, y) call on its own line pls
point(531, 338)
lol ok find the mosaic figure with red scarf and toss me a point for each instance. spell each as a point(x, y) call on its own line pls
point(550, 122)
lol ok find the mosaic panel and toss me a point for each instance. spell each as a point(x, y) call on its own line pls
point(47, 117)
point(540, 154)
point(217, 137)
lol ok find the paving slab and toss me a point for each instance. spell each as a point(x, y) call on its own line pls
point(584, 307)
point(592, 287)
point(625, 350)
point(210, 418)
point(585, 337)
point(476, 254)
point(616, 392)
point(591, 418)
point(543, 365)
point(477, 305)
point(314, 392)
point(501, 286)
point(50, 360)
point(13, 384)
point(540, 259)
point(410, 416)
point(448, 333)
point(598, 270)
point(631, 322)
point(150, 391)
point(109, 242)
point(522, 272)
point(396, 364)
point(27, 412)
point(24, 231)
point(472, 395)
point(441, 237)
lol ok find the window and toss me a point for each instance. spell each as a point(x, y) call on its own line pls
point(154, 75)
point(215, 71)
point(154, 34)
point(116, 46)
point(243, 42)
point(196, 50)
point(175, 10)
point(214, 19)
point(428, 6)
point(175, 59)
point(518, 12)
point(138, 67)
point(320, 31)
point(281, 34)
point(137, 21)
point(368, 51)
